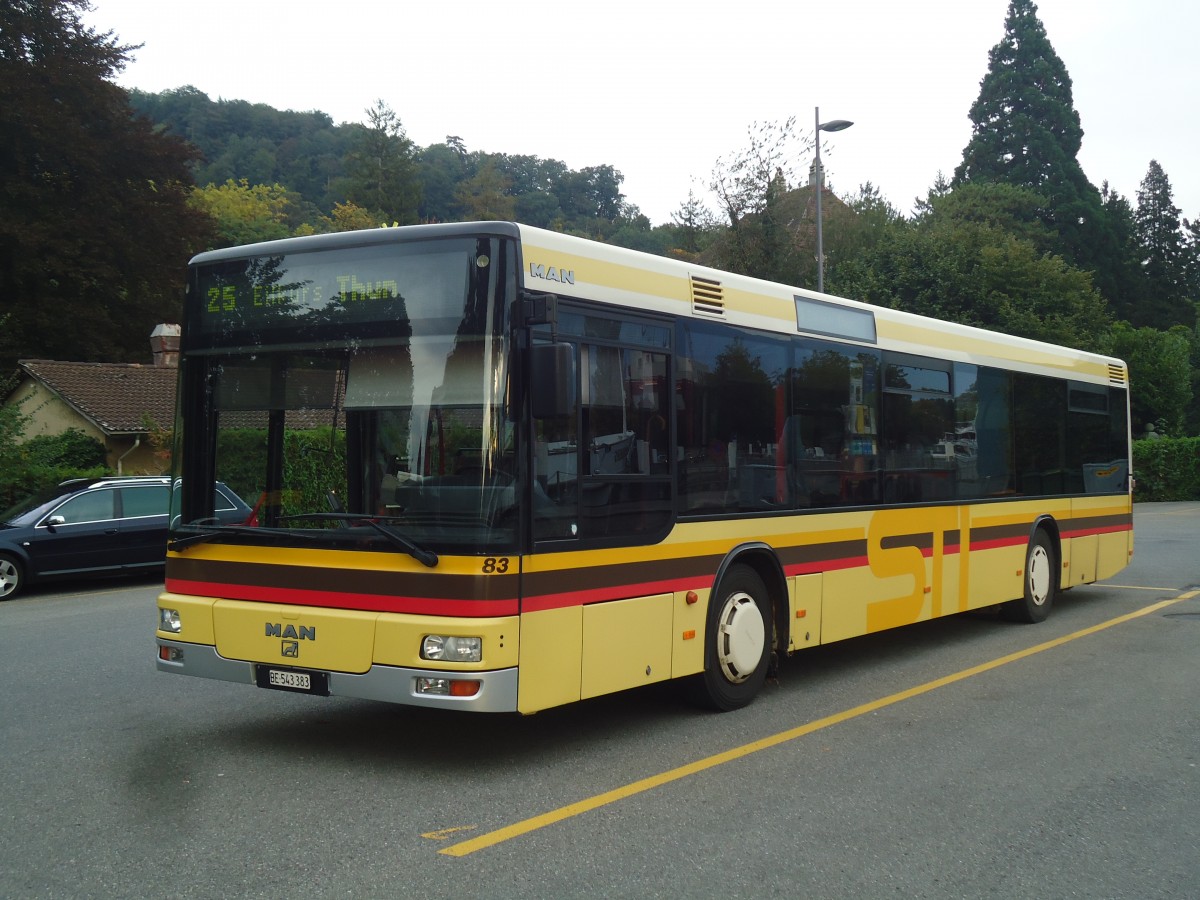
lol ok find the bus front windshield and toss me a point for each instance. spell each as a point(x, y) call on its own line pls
point(389, 432)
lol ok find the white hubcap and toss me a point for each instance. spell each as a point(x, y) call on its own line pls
point(741, 635)
point(1039, 575)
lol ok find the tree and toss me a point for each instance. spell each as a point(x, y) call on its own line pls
point(872, 219)
point(304, 151)
point(1026, 132)
point(246, 214)
point(348, 217)
point(1128, 284)
point(740, 182)
point(754, 188)
point(1191, 254)
point(441, 168)
point(1160, 240)
point(980, 275)
point(95, 229)
point(1010, 208)
point(593, 192)
point(694, 224)
point(1160, 375)
point(485, 195)
point(381, 170)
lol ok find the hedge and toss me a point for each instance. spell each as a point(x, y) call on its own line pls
point(1167, 469)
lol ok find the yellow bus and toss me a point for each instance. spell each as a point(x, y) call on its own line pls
point(498, 468)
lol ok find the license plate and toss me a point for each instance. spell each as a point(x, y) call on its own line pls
point(292, 680)
point(297, 681)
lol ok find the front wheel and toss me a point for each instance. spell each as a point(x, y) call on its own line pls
point(11, 577)
point(738, 640)
point(1041, 582)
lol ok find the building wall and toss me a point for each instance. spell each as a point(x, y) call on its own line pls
point(49, 414)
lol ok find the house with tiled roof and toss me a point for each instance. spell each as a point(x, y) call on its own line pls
point(119, 404)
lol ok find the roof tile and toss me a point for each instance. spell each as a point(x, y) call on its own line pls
point(118, 397)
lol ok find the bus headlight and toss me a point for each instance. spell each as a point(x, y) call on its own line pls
point(448, 648)
point(168, 620)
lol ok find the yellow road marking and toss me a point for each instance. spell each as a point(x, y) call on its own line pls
point(1138, 587)
point(446, 832)
point(500, 835)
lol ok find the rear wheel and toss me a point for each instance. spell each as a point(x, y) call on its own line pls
point(1041, 582)
point(738, 640)
point(11, 577)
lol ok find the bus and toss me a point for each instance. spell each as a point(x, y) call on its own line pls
point(502, 469)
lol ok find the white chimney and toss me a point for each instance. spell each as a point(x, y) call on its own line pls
point(164, 344)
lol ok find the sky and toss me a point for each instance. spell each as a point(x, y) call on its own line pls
point(660, 90)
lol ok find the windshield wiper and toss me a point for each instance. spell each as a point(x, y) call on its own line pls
point(420, 554)
point(199, 537)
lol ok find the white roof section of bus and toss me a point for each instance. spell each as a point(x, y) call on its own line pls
point(613, 274)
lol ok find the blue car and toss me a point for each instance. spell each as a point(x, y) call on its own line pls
point(95, 526)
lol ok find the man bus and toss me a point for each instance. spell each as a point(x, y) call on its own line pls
point(503, 469)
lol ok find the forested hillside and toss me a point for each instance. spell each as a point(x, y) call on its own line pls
point(323, 174)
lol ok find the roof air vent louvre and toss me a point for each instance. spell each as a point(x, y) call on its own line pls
point(708, 298)
point(1117, 375)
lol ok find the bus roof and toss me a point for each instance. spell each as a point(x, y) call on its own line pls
point(570, 266)
point(566, 265)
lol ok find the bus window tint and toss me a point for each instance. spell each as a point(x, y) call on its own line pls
point(1096, 451)
point(983, 444)
point(614, 480)
point(918, 425)
point(829, 443)
point(731, 409)
point(1038, 406)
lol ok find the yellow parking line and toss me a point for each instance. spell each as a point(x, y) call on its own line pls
point(1138, 587)
point(500, 835)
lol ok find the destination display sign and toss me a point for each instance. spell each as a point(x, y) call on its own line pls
point(328, 290)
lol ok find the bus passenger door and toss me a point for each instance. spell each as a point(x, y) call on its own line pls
point(601, 480)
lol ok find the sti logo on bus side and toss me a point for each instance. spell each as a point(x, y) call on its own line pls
point(550, 273)
point(303, 633)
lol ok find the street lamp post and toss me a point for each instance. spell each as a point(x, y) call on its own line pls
point(832, 125)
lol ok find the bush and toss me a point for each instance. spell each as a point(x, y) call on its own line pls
point(1167, 469)
point(43, 462)
point(72, 449)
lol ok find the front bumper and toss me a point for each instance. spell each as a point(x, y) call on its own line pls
point(391, 684)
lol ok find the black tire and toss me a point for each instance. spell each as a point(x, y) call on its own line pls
point(737, 641)
point(12, 577)
point(1041, 582)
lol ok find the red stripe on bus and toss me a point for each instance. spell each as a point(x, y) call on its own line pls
point(566, 600)
point(999, 543)
point(1102, 529)
point(367, 602)
point(825, 565)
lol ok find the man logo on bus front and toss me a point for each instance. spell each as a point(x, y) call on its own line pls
point(291, 649)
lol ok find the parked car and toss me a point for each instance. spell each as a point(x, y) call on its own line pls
point(94, 526)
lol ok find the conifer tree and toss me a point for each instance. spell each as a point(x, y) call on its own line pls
point(1191, 233)
point(1126, 267)
point(1026, 132)
point(1161, 247)
point(381, 168)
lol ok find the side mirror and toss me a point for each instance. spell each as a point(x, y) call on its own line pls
point(552, 381)
point(54, 521)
